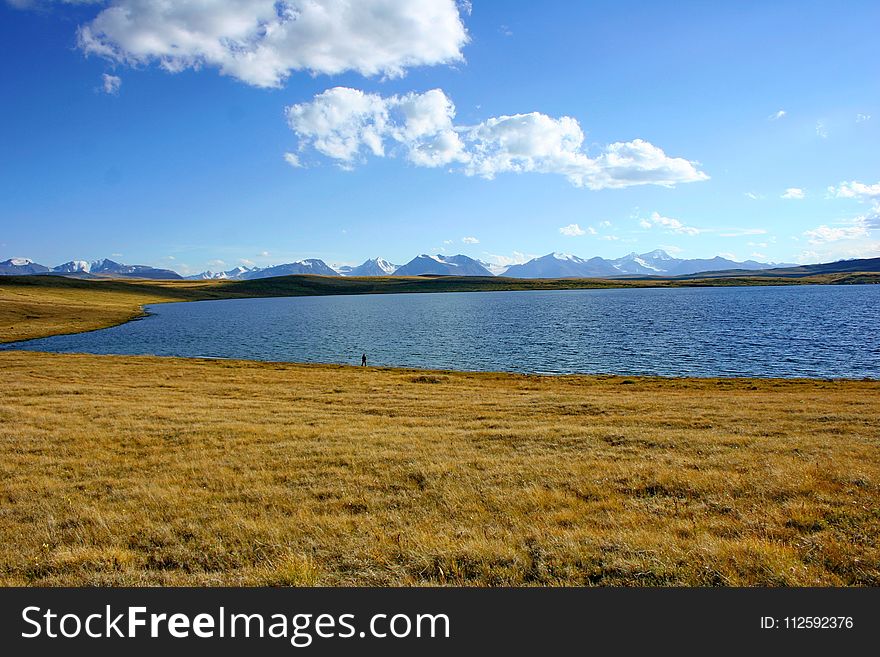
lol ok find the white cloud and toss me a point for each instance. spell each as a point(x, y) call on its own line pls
point(516, 258)
point(448, 242)
point(572, 230)
point(246, 262)
point(864, 193)
point(861, 118)
point(855, 189)
point(293, 160)
point(777, 115)
point(605, 224)
point(470, 240)
point(344, 123)
point(669, 224)
point(759, 256)
point(261, 42)
point(671, 249)
point(821, 131)
point(728, 255)
point(348, 124)
point(795, 193)
point(753, 196)
point(110, 83)
point(825, 233)
point(265, 254)
point(860, 248)
point(216, 263)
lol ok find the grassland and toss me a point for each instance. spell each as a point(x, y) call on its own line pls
point(37, 306)
point(143, 471)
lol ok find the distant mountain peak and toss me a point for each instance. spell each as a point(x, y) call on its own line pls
point(442, 265)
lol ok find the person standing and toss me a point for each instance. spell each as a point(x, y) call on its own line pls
point(363, 360)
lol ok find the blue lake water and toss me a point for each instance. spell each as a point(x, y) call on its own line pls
point(813, 331)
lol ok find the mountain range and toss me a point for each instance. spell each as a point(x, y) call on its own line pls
point(653, 263)
point(552, 265)
point(100, 268)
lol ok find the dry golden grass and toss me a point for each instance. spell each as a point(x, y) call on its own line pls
point(38, 306)
point(141, 471)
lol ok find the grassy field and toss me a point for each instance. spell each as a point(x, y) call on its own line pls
point(141, 471)
point(137, 470)
point(37, 306)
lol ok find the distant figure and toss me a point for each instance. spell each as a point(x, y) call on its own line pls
point(364, 360)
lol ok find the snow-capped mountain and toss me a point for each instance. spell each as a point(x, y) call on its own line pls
point(653, 263)
point(310, 266)
point(231, 274)
point(21, 267)
point(562, 265)
point(372, 267)
point(552, 265)
point(442, 265)
point(107, 267)
point(73, 267)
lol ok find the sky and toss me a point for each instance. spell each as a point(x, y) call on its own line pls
point(205, 134)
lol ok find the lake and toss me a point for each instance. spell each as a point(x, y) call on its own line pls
point(811, 331)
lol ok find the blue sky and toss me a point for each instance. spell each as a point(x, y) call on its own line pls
point(746, 129)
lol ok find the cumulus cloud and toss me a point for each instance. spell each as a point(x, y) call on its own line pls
point(572, 230)
point(824, 233)
point(857, 190)
point(861, 118)
point(110, 84)
point(470, 240)
point(293, 160)
point(795, 193)
point(669, 224)
point(261, 42)
point(347, 125)
point(777, 115)
point(864, 193)
point(503, 261)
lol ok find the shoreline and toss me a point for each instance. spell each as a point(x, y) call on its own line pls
point(395, 369)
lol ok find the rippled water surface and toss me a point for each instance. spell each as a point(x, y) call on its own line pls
point(815, 331)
